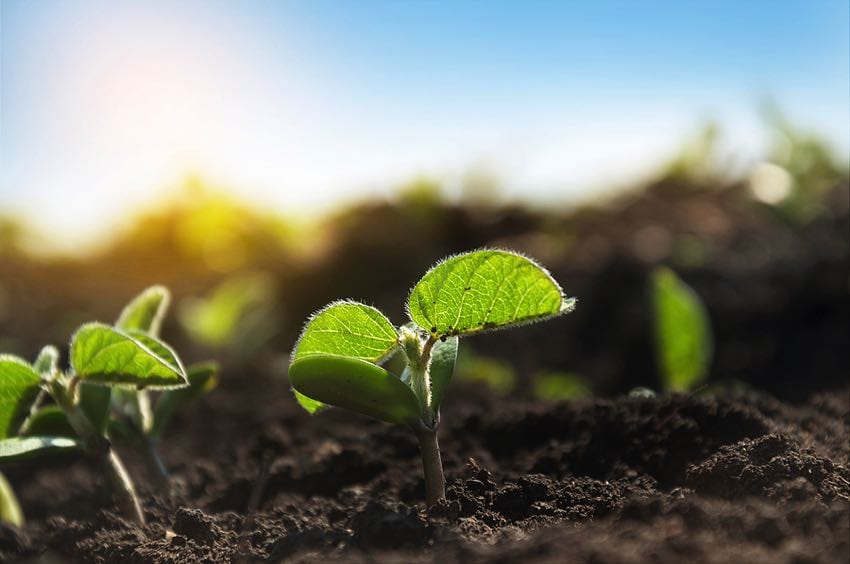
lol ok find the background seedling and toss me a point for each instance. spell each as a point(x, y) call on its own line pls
point(111, 368)
point(337, 359)
point(132, 415)
point(682, 332)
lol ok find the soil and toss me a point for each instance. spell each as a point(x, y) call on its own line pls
point(740, 477)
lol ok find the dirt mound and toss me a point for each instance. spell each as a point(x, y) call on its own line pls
point(682, 478)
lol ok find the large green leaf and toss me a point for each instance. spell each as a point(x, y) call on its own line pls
point(354, 384)
point(106, 355)
point(21, 448)
point(202, 379)
point(682, 332)
point(146, 311)
point(47, 362)
point(484, 290)
point(19, 386)
point(347, 329)
point(443, 357)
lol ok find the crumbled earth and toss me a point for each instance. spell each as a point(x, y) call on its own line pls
point(739, 477)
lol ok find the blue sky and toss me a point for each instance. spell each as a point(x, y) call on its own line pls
point(298, 105)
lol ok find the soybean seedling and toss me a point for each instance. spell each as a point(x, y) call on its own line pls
point(336, 361)
point(124, 359)
point(134, 416)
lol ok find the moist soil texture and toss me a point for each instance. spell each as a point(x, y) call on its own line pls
point(738, 477)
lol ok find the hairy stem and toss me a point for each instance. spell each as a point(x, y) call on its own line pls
point(432, 464)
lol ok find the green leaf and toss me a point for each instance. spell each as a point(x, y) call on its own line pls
point(105, 355)
point(682, 332)
point(50, 420)
point(558, 386)
point(47, 362)
point(10, 509)
point(94, 401)
point(443, 357)
point(484, 290)
point(354, 384)
point(202, 379)
point(21, 448)
point(146, 311)
point(347, 329)
point(312, 406)
point(19, 386)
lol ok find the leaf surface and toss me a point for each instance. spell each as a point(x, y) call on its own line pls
point(682, 332)
point(347, 329)
point(106, 355)
point(21, 448)
point(484, 290)
point(354, 384)
point(146, 311)
point(19, 386)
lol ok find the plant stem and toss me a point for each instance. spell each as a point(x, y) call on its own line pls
point(98, 447)
point(432, 465)
point(122, 488)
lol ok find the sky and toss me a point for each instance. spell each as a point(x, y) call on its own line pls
point(298, 106)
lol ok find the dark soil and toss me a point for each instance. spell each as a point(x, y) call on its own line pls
point(686, 478)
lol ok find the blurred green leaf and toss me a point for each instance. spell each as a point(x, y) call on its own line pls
point(216, 319)
point(50, 420)
point(202, 379)
point(105, 355)
point(682, 332)
point(484, 290)
point(19, 386)
point(10, 509)
point(557, 386)
point(22, 448)
point(146, 311)
point(95, 401)
point(47, 362)
point(497, 375)
point(354, 384)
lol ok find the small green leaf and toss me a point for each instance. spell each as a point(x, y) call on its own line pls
point(354, 384)
point(50, 420)
point(682, 332)
point(47, 362)
point(19, 386)
point(21, 448)
point(347, 329)
point(559, 386)
point(94, 401)
point(202, 379)
point(484, 290)
point(105, 355)
point(146, 311)
point(10, 509)
point(443, 357)
point(312, 406)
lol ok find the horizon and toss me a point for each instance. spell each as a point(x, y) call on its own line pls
point(105, 107)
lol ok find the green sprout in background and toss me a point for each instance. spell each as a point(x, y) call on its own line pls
point(682, 332)
point(112, 370)
point(337, 360)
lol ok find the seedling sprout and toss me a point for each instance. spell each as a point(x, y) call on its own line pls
point(337, 359)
